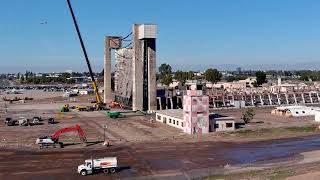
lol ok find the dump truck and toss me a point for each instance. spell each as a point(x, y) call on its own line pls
point(106, 165)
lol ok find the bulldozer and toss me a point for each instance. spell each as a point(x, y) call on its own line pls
point(65, 108)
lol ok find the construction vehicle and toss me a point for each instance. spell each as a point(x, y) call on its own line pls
point(51, 120)
point(85, 108)
point(65, 108)
point(23, 121)
point(99, 105)
point(35, 121)
point(106, 165)
point(10, 122)
point(53, 140)
point(119, 114)
point(116, 105)
point(26, 122)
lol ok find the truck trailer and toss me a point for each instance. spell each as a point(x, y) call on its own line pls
point(106, 165)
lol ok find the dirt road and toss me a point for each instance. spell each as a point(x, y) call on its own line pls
point(157, 160)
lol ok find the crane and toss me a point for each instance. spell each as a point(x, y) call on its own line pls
point(99, 105)
point(52, 140)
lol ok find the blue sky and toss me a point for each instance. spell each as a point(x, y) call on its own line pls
point(202, 32)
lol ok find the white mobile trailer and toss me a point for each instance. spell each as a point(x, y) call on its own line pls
point(105, 165)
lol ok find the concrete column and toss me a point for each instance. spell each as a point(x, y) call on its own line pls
point(261, 100)
point(318, 97)
point(181, 100)
point(270, 101)
point(287, 98)
point(303, 100)
point(252, 102)
point(295, 98)
point(152, 75)
point(107, 98)
point(223, 100)
point(278, 97)
point(137, 71)
point(171, 103)
point(167, 103)
point(310, 96)
point(160, 104)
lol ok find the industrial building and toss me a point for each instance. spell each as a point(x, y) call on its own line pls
point(194, 117)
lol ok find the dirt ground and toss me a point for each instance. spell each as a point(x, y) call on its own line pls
point(144, 148)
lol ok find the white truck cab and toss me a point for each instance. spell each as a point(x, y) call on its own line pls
point(105, 165)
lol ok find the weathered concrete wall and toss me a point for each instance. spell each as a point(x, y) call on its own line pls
point(123, 73)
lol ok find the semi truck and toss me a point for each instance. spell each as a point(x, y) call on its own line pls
point(106, 165)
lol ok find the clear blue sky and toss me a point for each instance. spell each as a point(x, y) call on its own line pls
point(191, 32)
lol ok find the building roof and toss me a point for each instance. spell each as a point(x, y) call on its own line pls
point(176, 113)
point(297, 108)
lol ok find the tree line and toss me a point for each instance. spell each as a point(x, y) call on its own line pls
point(31, 78)
point(166, 75)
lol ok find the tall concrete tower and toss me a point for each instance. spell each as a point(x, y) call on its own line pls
point(111, 42)
point(144, 67)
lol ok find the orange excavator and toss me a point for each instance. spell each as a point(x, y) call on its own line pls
point(53, 140)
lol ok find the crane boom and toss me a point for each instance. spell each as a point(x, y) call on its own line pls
point(95, 87)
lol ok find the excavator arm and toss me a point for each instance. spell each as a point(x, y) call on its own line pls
point(55, 136)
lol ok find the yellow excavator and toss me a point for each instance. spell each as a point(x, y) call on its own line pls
point(99, 105)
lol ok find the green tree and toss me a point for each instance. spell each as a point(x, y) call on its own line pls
point(230, 78)
point(77, 74)
point(248, 115)
point(212, 75)
point(65, 75)
point(310, 75)
point(165, 74)
point(182, 76)
point(261, 77)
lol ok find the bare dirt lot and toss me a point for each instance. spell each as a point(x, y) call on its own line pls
point(143, 148)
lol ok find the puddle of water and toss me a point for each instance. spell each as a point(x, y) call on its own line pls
point(260, 151)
